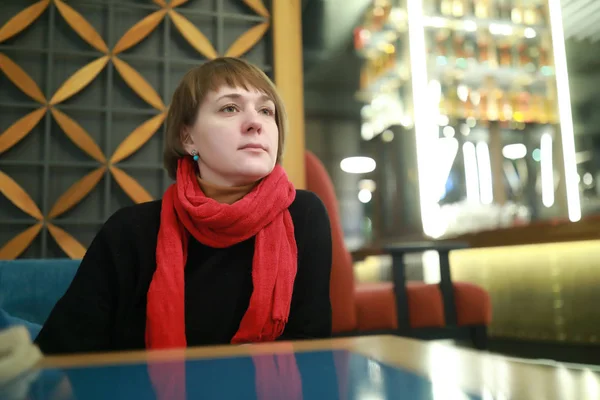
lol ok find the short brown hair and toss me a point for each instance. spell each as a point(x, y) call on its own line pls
point(192, 90)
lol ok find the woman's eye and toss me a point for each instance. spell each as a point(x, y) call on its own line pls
point(268, 111)
point(228, 109)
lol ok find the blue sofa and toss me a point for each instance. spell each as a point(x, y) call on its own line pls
point(29, 289)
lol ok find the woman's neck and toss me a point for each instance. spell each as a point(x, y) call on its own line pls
point(224, 194)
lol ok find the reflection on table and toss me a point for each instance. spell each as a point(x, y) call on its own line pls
point(377, 367)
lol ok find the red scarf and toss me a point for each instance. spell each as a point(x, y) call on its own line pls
point(262, 213)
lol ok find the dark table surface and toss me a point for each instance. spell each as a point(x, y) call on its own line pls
point(366, 368)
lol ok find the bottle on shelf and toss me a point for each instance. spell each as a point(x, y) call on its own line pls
point(551, 103)
point(537, 112)
point(494, 96)
point(503, 9)
point(541, 10)
point(458, 45)
point(459, 8)
point(516, 14)
point(483, 48)
point(446, 7)
point(504, 50)
point(482, 109)
point(482, 9)
point(432, 7)
point(504, 106)
point(530, 16)
point(525, 51)
point(544, 52)
point(382, 63)
point(380, 14)
point(523, 114)
point(462, 95)
point(470, 47)
point(441, 42)
point(470, 106)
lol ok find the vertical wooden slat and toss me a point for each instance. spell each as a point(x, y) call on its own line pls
point(287, 54)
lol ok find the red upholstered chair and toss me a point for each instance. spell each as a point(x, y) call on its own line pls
point(373, 308)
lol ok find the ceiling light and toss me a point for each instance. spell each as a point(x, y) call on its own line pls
point(514, 151)
point(465, 130)
point(387, 136)
point(443, 120)
point(501, 29)
point(406, 121)
point(364, 196)
point(462, 91)
point(470, 26)
point(448, 132)
point(366, 131)
point(530, 33)
point(358, 165)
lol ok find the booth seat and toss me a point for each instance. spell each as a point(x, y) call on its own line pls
point(372, 307)
point(29, 289)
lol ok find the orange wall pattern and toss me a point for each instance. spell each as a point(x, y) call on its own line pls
point(77, 82)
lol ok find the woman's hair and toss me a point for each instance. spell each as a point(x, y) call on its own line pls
point(194, 86)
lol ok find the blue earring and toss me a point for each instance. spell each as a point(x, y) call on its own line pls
point(195, 155)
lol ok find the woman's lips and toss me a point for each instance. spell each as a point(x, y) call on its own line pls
point(253, 147)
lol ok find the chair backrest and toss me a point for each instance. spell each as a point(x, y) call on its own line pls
point(29, 288)
point(342, 274)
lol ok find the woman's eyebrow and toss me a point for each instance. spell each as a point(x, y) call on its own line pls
point(235, 96)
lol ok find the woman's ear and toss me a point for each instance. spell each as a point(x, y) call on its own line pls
point(186, 140)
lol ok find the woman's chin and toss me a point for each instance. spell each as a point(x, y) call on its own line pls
point(253, 172)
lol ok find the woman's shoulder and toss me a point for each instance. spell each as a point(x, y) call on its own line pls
point(142, 217)
point(306, 200)
point(307, 205)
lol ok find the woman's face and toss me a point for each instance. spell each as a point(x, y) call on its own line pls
point(236, 136)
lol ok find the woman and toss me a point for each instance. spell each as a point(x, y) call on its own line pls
point(231, 254)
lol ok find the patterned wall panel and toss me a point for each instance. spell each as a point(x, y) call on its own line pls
point(84, 89)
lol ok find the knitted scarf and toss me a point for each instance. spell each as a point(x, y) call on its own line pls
point(263, 214)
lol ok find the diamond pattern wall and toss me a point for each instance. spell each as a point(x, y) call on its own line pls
point(84, 90)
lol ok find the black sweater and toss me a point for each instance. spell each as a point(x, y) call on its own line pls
point(104, 308)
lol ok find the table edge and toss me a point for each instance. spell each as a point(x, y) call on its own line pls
point(198, 353)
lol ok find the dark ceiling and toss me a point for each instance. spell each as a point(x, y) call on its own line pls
point(331, 68)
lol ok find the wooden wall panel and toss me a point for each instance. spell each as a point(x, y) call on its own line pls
point(88, 149)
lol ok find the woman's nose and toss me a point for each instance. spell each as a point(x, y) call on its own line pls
point(252, 124)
